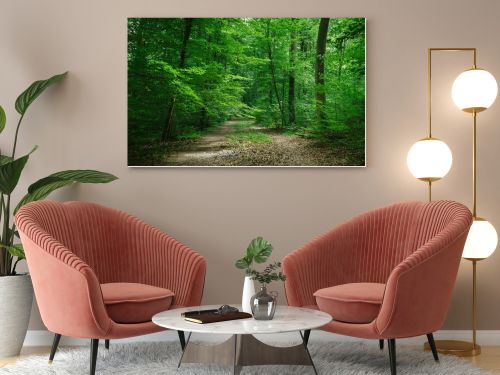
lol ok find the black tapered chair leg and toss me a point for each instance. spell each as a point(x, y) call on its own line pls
point(182, 339)
point(381, 344)
point(94, 346)
point(307, 333)
point(432, 344)
point(392, 355)
point(55, 344)
point(106, 344)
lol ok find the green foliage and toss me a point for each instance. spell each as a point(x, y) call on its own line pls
point(4, 159)
point(269, 274)
point(11, 170)
point(258, 250)
point(29, 95)
point(3, 119)
point(43, 187)
point(259, 68)
point(191, 135)
point(15, 250)
point(248, 136)
point(243, 126)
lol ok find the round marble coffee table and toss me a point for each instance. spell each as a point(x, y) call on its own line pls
point(242, 348)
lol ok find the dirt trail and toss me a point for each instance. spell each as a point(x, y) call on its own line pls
point(209, 146)
point(215, 149)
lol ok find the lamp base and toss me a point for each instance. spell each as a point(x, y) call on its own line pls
point(456, 348)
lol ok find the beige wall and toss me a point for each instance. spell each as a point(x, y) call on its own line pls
point(82, 124)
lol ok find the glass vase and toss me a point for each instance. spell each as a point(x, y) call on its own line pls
point(263, 304)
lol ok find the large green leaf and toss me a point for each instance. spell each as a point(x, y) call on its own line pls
point(242, 263)
point(89, 176)
point(259, 250)
point(31, 93)
point(10, 172)
point(3, 119)
point(43, 187)
point(42, 193)
point(86, 176)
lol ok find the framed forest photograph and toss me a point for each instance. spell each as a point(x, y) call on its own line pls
point(243, 92)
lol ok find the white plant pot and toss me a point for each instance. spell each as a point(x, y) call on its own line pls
point(16, 298)
point(248, 292)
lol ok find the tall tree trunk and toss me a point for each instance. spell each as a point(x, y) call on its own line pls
point(283, 87)
point(320, 70)
point(203, 122)
point(291, 75)
point(272, 68)
point(167, 129)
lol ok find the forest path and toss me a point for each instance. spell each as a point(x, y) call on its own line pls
point(209, 146)
point(219, 148)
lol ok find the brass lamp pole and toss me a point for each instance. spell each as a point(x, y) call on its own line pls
point(476, 349)
point(429, 159)
point(430, 180)
point(482, 238)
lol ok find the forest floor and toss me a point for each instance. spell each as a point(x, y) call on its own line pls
point(245, 143)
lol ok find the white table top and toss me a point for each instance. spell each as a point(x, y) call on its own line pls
point(286, 319)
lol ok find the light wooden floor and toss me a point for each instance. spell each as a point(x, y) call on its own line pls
point(488, 360)
point(26, 352)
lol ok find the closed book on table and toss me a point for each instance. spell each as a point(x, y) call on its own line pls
point(212, 317)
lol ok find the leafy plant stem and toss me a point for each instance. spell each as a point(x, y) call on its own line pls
point(11, 241)
point(6, 213)
point(14, 266)
point(3, 252)
point(6, 225)
point(17, 133)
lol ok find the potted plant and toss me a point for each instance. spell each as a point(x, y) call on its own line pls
point(16, 291)
point(257, 251)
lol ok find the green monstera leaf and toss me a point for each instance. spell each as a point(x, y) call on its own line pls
point(29, 95)
point(259, 250)
point(242, 263)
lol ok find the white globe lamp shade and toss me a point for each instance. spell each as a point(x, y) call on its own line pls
point(481, 241)
point(429, 159)
point(474, 90)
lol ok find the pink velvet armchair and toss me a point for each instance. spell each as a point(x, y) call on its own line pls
point(385, 274)
point(99, 273)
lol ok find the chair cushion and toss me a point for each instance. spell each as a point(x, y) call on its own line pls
point(351, 303)
point(135, 303)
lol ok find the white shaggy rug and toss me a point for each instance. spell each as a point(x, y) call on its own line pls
point(162, 357)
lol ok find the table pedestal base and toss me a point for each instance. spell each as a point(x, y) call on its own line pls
point(246, 350)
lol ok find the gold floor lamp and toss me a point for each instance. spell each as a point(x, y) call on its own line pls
point(430, 159)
